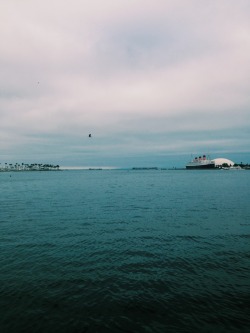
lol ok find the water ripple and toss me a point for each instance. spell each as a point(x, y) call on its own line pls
point(124, 251)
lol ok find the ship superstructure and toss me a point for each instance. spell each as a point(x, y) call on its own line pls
point(201, 162)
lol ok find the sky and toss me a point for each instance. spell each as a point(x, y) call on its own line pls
point(153, 81)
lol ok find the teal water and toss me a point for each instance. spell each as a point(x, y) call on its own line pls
point(125, 251)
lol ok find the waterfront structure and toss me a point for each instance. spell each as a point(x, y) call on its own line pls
point(28, 167)
point(222, 162)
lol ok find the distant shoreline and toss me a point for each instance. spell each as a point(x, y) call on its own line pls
point(49, 167)
point(17, 167)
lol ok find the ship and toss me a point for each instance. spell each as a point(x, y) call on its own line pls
point(201, 162)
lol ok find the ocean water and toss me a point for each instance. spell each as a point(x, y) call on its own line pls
point(125, 251)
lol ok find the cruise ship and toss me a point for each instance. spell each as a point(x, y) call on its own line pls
point(201, 162)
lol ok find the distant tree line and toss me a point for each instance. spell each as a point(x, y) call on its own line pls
point(28, 167)
point(236, 165)
point(243, 165)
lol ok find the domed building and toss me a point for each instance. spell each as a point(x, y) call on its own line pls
point(223, 161)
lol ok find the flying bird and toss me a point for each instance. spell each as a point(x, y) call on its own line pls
point(90, 135)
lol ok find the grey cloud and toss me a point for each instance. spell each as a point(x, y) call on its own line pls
point(149, 76)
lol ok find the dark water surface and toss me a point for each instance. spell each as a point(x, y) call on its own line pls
point(125, 251)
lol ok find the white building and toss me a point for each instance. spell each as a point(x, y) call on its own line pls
point(220, 161)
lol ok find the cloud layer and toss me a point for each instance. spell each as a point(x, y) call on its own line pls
point(147, 78)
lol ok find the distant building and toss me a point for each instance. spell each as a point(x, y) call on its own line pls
point(223, 161)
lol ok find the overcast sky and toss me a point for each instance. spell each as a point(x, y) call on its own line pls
point(153, 81)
